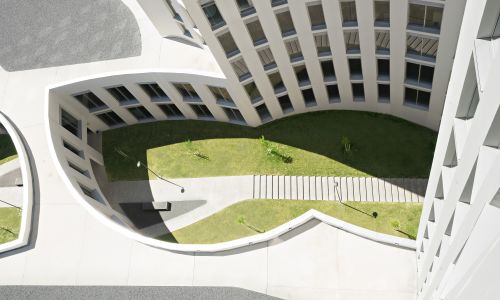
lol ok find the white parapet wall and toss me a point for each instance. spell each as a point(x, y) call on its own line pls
point(28, 187)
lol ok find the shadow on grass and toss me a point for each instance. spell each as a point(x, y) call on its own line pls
point(410, 236)
point(7, 147)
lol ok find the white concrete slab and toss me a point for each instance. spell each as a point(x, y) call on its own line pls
point(307, 188)
point(300, 188)
point(275, 187)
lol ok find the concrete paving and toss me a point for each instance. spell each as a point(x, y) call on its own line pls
point(40, 34)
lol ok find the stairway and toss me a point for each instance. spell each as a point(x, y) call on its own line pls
point(339, 188)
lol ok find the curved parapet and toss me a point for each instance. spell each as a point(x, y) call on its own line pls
point(27, 190)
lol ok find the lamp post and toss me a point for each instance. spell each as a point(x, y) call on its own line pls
point(141, 164)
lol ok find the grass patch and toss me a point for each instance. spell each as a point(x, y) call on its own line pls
point(10, 221)
point(7, 149)
point(310, 144)
point(250, 217)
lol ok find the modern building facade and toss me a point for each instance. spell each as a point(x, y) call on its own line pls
point(458, 252)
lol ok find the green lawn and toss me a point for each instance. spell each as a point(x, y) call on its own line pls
point(253, 216)
point(10, 220)
point(382, 146)
point(7, 149)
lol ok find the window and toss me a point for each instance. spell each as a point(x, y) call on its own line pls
point(294, 50)
point(256, 32)
point(253, 92)
point(384, 93)
point(246, 7)
point(382, 41)
point(213, 15)
point(263, 112)
point(90, 101)
point(425, 18)
point(382, 13)
point(328, 70)
point(233, 114)
point(417, 98)
point(302, 76)
point(79, 170)
point(140, 113)
point(285, 22)
point(351, 38)
point(241, 69)
point(358, 92)
point(277, 82)
point(267, 58)
point(355, 68)
point(227, 42)
point(348, 9)
point(317, 16)
point(201, 111)
point(333, 93)
point(154, 91)
point(286, 104)
point(92, 193)
point(278, 2)
point(71, 124)
point(187, 91)
point(383, 66)
point(322, 45)
point(122, 95)
point(172, 10)
point(419, 74)
point(221, 95)
point(73, 149)
point(421, 47)
point(309, 98)
point(170, 110)
point(110, 118)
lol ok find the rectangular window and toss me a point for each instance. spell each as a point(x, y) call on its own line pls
point(256, 32)
point(241, 69)
point(278, 2)
point(90, 101)
point(285, 104)
point(277, 82)
point(263, 113)
point(294, 50)
point(383, 66)
point(358, 92)
point(355, 68)
point(384, 93)
point(309, 98)
point(418, 98)
point(419, 75)
point(171, 110)
point(349, 17)
point(333, 93)
point(421, 47)
point(302, 76)
point(425, 18)
point(187, 91)
point(201, 111)
point(154, 91)
point(351, 39)
point(71, 123)
point(246, 7)
point(73, 149)
point(213, 15)
point(227, 42)
point(382, 13)
point(328, 70)
point(122, 95)
point(382, 41)
point(316, 16)
point(286, 24)
point(92, 193)
point(253, 92)
point(110, 118)
point(221, 95)
point(266, 58)
point(140, 113)
point(79, 170)
point(233, 114)
point(322, 45)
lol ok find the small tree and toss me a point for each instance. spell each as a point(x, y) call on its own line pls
point(346, 144)
point(396, 225)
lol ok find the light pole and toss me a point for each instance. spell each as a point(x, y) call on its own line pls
point(141, 164)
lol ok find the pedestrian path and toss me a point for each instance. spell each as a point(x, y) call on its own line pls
point(339, 188)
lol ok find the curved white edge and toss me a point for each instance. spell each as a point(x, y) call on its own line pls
point(243, 242)
point(28, 186)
